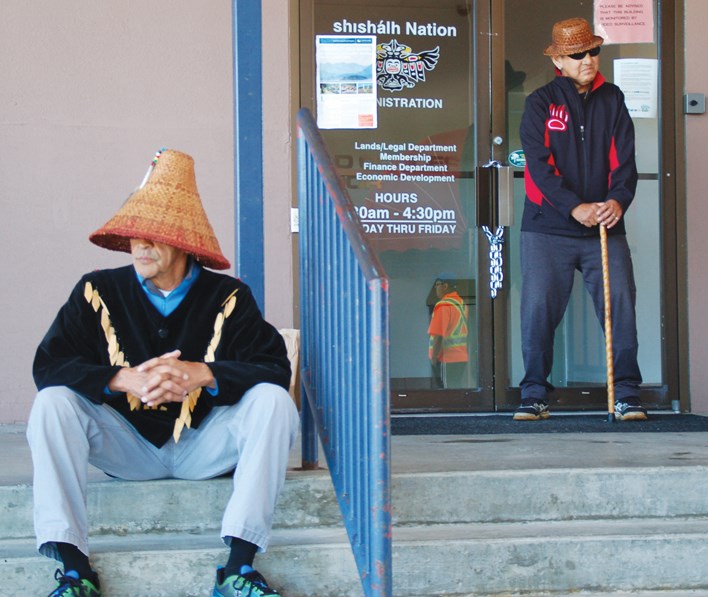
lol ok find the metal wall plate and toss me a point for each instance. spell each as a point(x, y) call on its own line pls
point(694, 103)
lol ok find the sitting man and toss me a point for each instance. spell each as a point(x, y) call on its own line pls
point(160, 369)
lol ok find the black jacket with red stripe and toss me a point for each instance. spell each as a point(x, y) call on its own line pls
point(579, 149)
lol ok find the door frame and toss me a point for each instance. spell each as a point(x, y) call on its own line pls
point(490, 116)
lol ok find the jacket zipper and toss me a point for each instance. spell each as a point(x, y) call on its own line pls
point(582, 114)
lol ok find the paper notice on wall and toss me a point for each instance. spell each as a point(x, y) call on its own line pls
point(346, 81)
point(637, 78)
point(625, 21)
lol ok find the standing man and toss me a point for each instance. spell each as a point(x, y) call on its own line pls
point(580, 174)
point(447, 347)
point(160, 369)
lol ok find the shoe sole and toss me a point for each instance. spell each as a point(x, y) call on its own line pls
point(637, 416)
point(530, 417)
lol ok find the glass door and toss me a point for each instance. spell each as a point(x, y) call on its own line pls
point(419, 103)
point(630, 59)
point(410, 170)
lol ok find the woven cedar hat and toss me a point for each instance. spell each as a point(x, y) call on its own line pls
point(166, 208)
point(572, 36)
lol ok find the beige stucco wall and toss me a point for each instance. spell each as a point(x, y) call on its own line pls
point(90, 90)
point(278, 64)
point(697, 205)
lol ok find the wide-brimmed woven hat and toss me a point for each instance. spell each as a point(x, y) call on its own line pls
point(166, 208)
point(572, 36)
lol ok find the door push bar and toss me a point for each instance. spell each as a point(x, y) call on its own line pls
point(495, 195)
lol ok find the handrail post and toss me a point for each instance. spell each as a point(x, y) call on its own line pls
point(308, 431)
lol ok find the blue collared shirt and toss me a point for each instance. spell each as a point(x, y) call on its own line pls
point(166, 304)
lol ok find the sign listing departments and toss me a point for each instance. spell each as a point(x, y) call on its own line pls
point(403, 213)
point(414, 166)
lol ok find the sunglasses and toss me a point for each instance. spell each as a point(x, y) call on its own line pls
point(580, 55)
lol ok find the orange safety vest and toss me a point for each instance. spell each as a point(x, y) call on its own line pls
point(450, 322)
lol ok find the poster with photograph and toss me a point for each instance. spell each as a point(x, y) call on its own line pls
point(346, 84)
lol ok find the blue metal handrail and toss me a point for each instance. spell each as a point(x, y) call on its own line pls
point(344, 358)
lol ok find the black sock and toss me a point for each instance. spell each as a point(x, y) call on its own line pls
point(74, 559)
point(242, 554)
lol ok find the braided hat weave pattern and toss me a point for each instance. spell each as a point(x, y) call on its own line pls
point(572, 36)
point(166, 208)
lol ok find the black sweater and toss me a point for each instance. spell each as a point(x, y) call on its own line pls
point(75, 352)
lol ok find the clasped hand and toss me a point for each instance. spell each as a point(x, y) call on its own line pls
point(162, 379)
point(607, 213)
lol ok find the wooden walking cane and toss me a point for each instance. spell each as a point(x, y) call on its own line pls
point(608, 327)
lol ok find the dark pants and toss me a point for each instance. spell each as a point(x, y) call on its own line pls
point(548, 264)
point(449, 375)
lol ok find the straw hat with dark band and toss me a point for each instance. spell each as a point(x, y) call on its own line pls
point(572, 36)
point(165, 209)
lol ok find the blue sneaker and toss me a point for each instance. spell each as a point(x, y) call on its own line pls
point(70, 585)
point(247, 584)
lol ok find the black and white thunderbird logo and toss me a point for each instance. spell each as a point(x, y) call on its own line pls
point(397, 66)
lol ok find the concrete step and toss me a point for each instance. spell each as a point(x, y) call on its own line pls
point(554, 558)
point(118, 507)
point(124, 507)
point(555, 494)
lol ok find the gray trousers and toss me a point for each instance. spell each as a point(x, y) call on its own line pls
point(66, 432)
